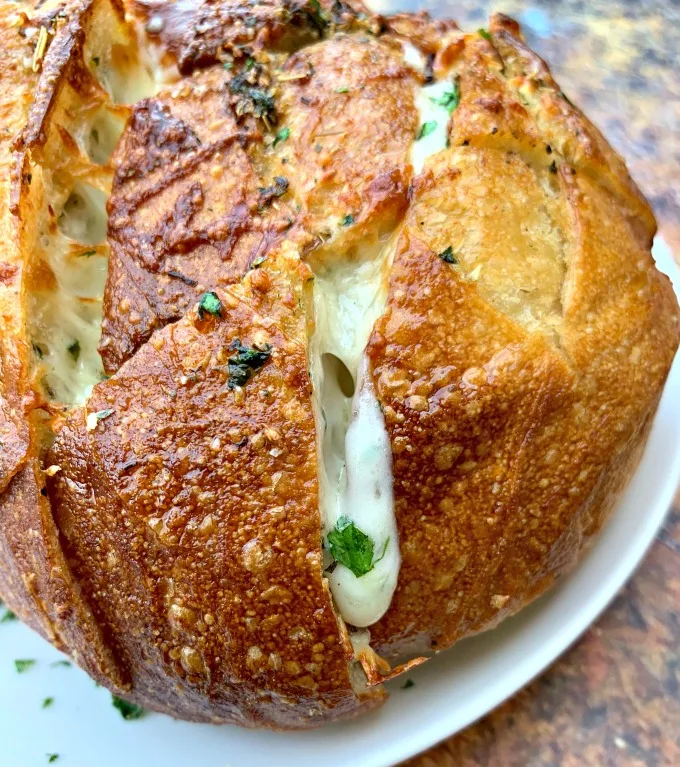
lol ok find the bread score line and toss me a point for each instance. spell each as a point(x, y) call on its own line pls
point(343, 278)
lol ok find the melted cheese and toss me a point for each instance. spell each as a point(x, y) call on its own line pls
point(65, 318)
point(430, 112)
point(355, 477)
point(65, 307)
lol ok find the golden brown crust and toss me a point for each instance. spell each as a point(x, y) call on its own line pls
point(207, 573)
point(189, 209)
point(518, 390)
point(176, 550)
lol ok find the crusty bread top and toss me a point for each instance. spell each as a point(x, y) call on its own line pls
point(167, 532)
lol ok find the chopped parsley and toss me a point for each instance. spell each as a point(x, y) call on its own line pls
point(74, 350)
point(277, 189)
point(88, 253)
point(348, 220)
point(282, 135)
point(449, 100)
point(23, 665)
point(317, 16)
point(246, 362)
point(47, 702)
point(342, 89)
point(95, 60)
point(448, 255)
point(60, 663)
point(100, 415)
point(127, 710)
point(253, 99)
point(408, 684)
point(353, 548)
point(426, 129)
point(483, 33)
point(209, 303)
point(51, 758)
point(8, 617)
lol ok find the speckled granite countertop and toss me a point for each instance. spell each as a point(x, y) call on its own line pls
point(614, 699)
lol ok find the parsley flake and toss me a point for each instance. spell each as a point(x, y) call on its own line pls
point(246, 362)
point(209, 303)
point(47, 702)
point(316, 15)
point(282, 135)
point(127, 710)
point(426, 129)
point(352, 548)
point(348, 220)
point(342, 89)
point(51, 758)
point(74, 350)
point(448, 256)
point(8, 617)
point(449, 100)
point(483, 33)
point(60, 664)
point(277, 189)
point(408, 684)
point(23, 665)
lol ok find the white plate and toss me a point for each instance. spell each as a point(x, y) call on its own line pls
point(451, 691)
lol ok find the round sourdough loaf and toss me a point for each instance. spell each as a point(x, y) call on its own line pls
point(327, 340)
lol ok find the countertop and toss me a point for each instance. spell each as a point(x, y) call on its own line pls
point(613, 700)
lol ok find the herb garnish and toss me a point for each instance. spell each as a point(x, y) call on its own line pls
point(23, 665)
point(316, 15)
point(8, 617)
point(353, 548)
point(246, 362)
point(277, 189)
point(348, 220)
point(127, 710)
point(448, 256)
point(210, 303)
point(74, 350)
point(282, 135)
point(408, 684)
point(342, 89)
point(483, 33)
point(254, 99)
point(47, 702)
point(426, 129)
point(88, 253)
point(179, 276)
point(60, 663)
point(51, 758)
point(449, 100)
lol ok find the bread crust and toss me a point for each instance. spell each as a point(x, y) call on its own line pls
point(167, 533)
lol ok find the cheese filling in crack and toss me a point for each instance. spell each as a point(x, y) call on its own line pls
point(355, 474)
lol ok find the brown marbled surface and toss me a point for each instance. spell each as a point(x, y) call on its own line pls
point(613, 700)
